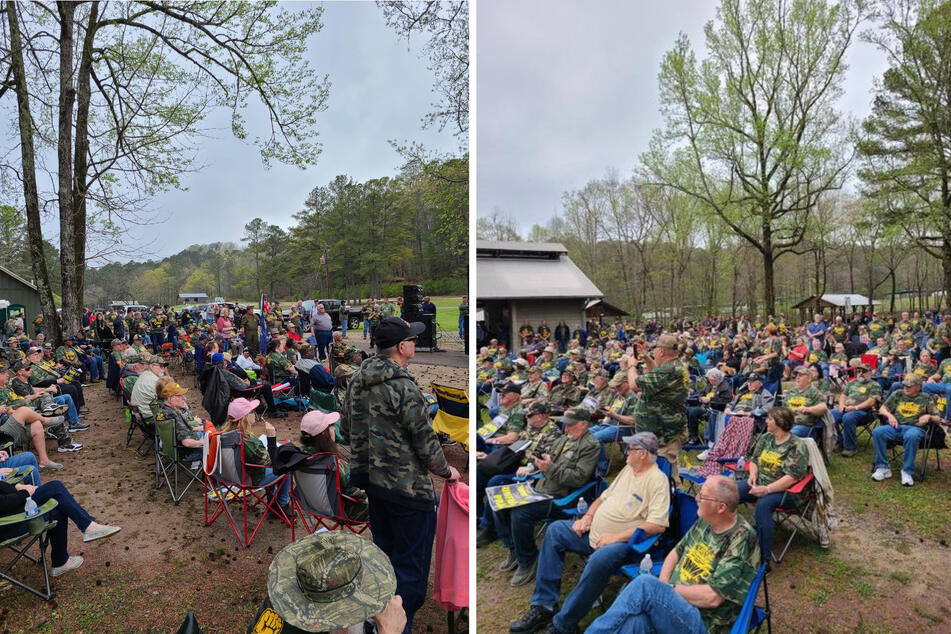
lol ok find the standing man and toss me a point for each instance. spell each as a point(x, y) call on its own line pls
point(344, 318)
point(118, 324)
point(321, 327)
point(394, 448)
point(365, 313)
point(662, 404)
point(251, 325)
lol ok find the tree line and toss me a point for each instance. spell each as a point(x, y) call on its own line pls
point(372, 236)
point(758, 189)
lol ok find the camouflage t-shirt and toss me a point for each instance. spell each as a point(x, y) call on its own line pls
point(907, 409)
point(861, 390)
point(839, 331)
point(622, 405)
point(876, 328)
point(514, 420)
point(778, 460)
point(661, 406)
point(815, 356)
point(807, 398)
point(727, 562)
point(535, 390)
point(924, 370)
point(564, 396)
point(945, 370)
point(10, 398)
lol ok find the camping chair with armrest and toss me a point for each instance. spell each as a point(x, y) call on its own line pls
point(791, 511)
point(228, 483)
point(169, 461)
point(316, 496)
point(284, 393)
point(752, 616)
point(37, 532)
point(732, 444)
point(136, 420)
point(19, 476)
point(324, 401)
point(935, 440)
point(452, 416)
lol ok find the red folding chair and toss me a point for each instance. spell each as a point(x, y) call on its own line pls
point(788, 512)
point(316, 497)
point(227, 484)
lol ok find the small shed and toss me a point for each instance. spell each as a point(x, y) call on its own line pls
point(193, 298)
point(20, 292)
point(835, 304)
point(519, 282)
point(598, 309)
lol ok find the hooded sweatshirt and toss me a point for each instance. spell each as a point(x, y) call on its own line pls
point(392, 443)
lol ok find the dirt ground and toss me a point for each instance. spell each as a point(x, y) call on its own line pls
point(886, 570)
point(165, 561)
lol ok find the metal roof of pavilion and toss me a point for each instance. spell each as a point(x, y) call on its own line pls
point(525, 270)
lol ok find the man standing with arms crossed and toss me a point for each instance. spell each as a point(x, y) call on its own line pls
point(394, 449)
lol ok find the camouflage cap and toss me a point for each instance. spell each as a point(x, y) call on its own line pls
point(20, 364)
point(667, 341)
point(157, 360)
point(803, 370)
point(911, 379)
point(538, 407)
point(522, 363)
point(570, 371)
point(344, 370)
point(858, 364)
point(511, 387)
point(604, 374)
point(132, 358)
point(329, 581)
point(4, 367)
point(575, 415)
point(617, 379)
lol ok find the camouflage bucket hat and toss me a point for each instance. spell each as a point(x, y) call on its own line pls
point(538, 407)
point(330, 580)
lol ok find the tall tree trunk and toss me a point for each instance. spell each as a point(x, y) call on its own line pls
point(769, 291)
point(69, 261)
point(80, 160)
point(41, 274)
point(946, 267)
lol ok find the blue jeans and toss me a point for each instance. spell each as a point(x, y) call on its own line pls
point(516, 528)
point(283, 491)
point(909, 435)
point(763, 514)
point(65, 399)
point(343, 326)
point(646, 605)
point(607, 432)
point(601, 565)
point(848, 423)
point(93, 366)
point(67, 508)
point(21, 460)
point(406, 536)
point(804, 431)
point(324, 338)
point(366, 327)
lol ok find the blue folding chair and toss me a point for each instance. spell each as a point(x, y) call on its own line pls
point(753, 616)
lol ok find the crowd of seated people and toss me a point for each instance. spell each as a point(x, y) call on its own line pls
point(675, 383)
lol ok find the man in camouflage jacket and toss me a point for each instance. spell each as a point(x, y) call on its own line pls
point(394, 448)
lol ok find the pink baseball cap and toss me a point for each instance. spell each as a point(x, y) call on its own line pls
point(241, 407)
point(315, 422)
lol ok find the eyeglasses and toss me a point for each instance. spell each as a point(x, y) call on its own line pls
point(413, 339)
point(701, 498)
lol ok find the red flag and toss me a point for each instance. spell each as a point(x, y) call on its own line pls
point(264, 306)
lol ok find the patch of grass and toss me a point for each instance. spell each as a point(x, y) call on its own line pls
point(864, 588)
point(447, 313)
point(900, 577)
point(818, 595)
point(925, 510)
point(934, 618)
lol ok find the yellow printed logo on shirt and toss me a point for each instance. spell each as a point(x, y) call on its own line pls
point(770, 460)
point(909, 408)
point(796, 401)
point(698, 564)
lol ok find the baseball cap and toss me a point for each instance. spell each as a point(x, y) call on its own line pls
point(241, 407)
point(754, 377)
point(666, 341)
point(859, 364)
point(511, 387)
point(393, 330)
point(911, 380)
point(344, 369)
point(217, 358)
point(645, 440)
point(575, 415)
point(803, 370)
point(538, 407)
point(617, 379)
point(157, 360)
point(315, 422)
point(171, 389)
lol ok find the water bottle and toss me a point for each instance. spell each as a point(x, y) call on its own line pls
point(30, 509)
point(582, 507)
point(646, 564)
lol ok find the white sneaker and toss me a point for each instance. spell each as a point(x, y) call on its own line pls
point(906, 479)
point(74, 562)
point(881, 474)
point(703, 455)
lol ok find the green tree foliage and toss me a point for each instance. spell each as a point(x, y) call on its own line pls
point(120, 92)
point(906, 142)
point(752, 132)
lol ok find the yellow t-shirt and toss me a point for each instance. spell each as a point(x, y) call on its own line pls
point(630, 500)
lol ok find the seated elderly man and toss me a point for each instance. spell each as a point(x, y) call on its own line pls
point(542, 432)
point(567, 393)
point(143, 397)
point(751, 398)
point(807, 402)
point(510, 419)
point(534, 389)
point(939, 384)
point(908, 412)
point(856, 405)
point(704, 580)
point(639, 498)
point(569, 465)
point(618, 411)
point(42, 399)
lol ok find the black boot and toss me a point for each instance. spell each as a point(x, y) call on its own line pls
point(536, 618)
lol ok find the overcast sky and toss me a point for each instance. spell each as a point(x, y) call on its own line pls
point(380, 91)
point(568, 89)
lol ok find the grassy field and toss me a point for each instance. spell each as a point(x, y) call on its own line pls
point(447, 313)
